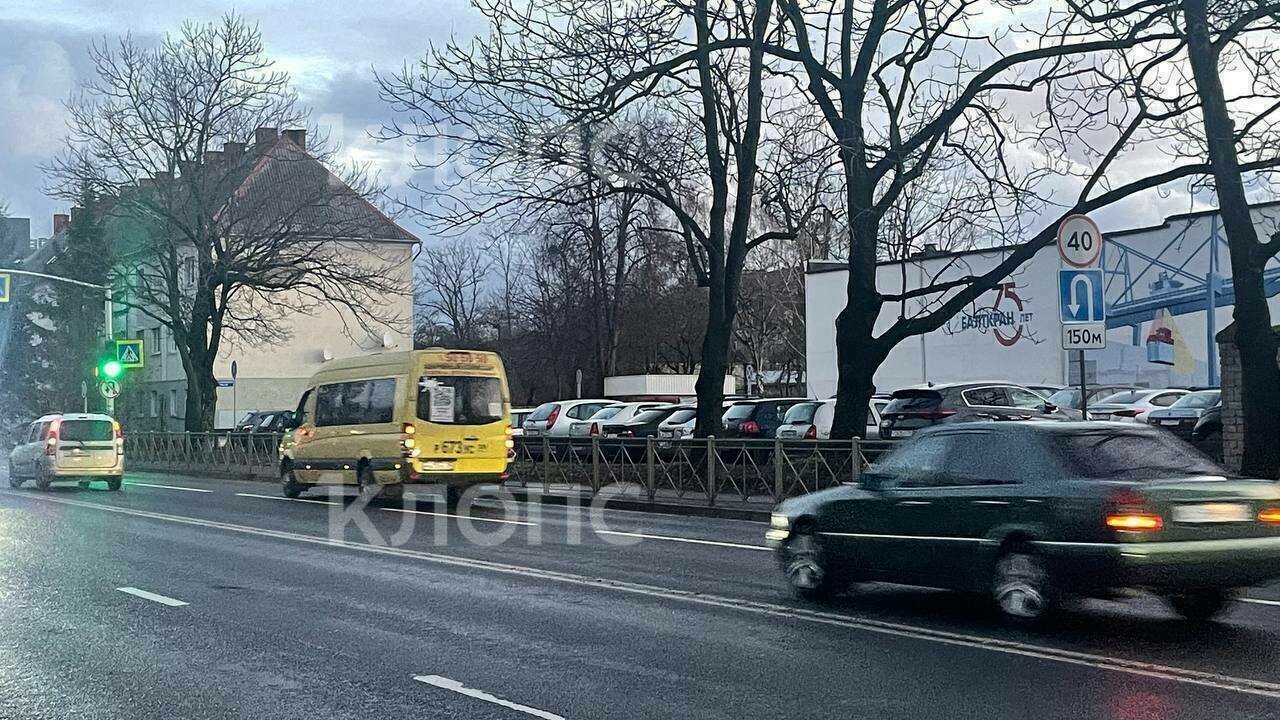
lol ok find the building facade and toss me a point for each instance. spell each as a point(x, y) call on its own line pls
point(1160, 283)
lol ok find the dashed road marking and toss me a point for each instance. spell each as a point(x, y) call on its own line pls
point(1260, 601)
point(278, 497)
point(445, 683)
point(460, 517)
point(153, 597)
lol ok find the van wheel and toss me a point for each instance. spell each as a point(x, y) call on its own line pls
point(289, 483)
point(113, 482)
point(14, 480)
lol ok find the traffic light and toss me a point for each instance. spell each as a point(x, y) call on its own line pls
point(110, 368)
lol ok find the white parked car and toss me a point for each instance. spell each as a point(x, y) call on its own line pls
point(518, 416)
point(619, 413)
point(70, 446)
point(1133, 405)
point(553, 419)
point(677, 426)
point(812, 419)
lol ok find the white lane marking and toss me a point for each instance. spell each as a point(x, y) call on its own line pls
point(1219, 681)
point(445, 683)
point(461, 517)
point(151, 596)
point(277, 497)
point(1260, 601)
point(167, 487)
point(673, 538)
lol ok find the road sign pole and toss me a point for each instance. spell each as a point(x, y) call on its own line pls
point(1084, 387)
point(109, 331)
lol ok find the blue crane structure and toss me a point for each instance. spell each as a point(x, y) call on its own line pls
point(1175, 288)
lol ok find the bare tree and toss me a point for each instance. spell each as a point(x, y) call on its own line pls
point(451, 289)
point(908, 86)
point(219, 239)
point(558, 100)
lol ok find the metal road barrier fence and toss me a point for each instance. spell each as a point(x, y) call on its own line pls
point(699, 469)
point(703, 470)
point(236, 454)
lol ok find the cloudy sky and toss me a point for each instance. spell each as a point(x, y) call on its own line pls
point(329, 48)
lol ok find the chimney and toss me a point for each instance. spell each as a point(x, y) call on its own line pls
point(60, 223)
point(297, 137)
point(233, 151)
point(264, 137)
point(77, 215)
point(212, 157)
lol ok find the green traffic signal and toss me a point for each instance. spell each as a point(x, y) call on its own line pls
point(111, 369)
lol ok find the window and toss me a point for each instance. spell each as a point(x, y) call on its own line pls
point(683, 415)
point(86, 430)
point(1199, 400)
point(540, 413)
point(801, 413)
point(741, 411)
point(607, 412)
point(652, 416)
point(34, 433)
point(362, 402)
point(1165, 399)
point(987, 397)
point(173, 403)
point(155, 404)
point(917, 463)
point(155, 341)
point(981, 457)
point(172, 345)
point(468, 400)
point(301, 411)
point(188, 272)
point(582, 412)
point(1106, 454)
point(1024, 399)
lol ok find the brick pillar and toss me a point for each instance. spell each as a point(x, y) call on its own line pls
point(1232, 412)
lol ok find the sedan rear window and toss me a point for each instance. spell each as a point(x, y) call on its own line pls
point(542, 412)
point(1108, 455)
point(682, 416)
point(914, 401)
point(801, 413)
point(653, 415)
point(607, 412)
point(1122, 398)
point(740, 412)
point(86, 430)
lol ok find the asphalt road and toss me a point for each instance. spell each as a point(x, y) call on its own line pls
point(199, 598)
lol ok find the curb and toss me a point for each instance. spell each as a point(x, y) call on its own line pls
point(657, 507)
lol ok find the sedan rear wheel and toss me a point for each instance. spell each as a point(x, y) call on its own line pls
point(1198, 605)
point(1021, 589)
point(807, 567)
point(14, 480)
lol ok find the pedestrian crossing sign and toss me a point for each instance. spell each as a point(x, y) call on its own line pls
point(129, 353)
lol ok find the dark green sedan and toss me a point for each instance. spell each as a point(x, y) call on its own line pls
point(1033, 512)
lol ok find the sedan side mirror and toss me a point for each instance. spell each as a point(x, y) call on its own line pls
point(291, 421)
point(1049, 407)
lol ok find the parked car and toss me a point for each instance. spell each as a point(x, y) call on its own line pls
point(1070, 397)
point(752, 419)
point(69, 446)
point(518, 416)
point(619, 413)
point(812, 419)
point(643, 425)
point(1133, 405)
point(554, 419)
point(1207, 433)
point(912, 409)
point(1029, 512)
point(677, 425)
point(263, 421)
point(1180, 417)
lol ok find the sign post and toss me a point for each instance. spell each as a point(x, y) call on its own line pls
point(1081, 304)
point(235, 370)
point(84, 394)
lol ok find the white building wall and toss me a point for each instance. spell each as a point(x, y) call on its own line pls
point(1013, 333)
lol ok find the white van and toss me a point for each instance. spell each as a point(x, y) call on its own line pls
point(70, 446)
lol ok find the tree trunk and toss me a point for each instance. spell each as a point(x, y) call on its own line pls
point(202, 394)
point(858, 353)
point(715, 357)
point(1259, 372)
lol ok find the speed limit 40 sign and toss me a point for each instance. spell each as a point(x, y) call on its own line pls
point(1079, 241)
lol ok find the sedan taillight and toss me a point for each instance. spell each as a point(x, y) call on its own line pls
point(1126, 413)
point(811, 433)
point(1135, 522)
point(1271, 516)
point(749, 427)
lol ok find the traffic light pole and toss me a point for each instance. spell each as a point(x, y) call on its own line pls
point(107, 320)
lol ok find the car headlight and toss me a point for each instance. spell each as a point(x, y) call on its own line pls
point(778, 521)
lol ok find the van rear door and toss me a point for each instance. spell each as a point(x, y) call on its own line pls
point(464, 418)
point(86, 444)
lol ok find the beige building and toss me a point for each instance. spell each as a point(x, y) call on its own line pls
point(272, 373)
